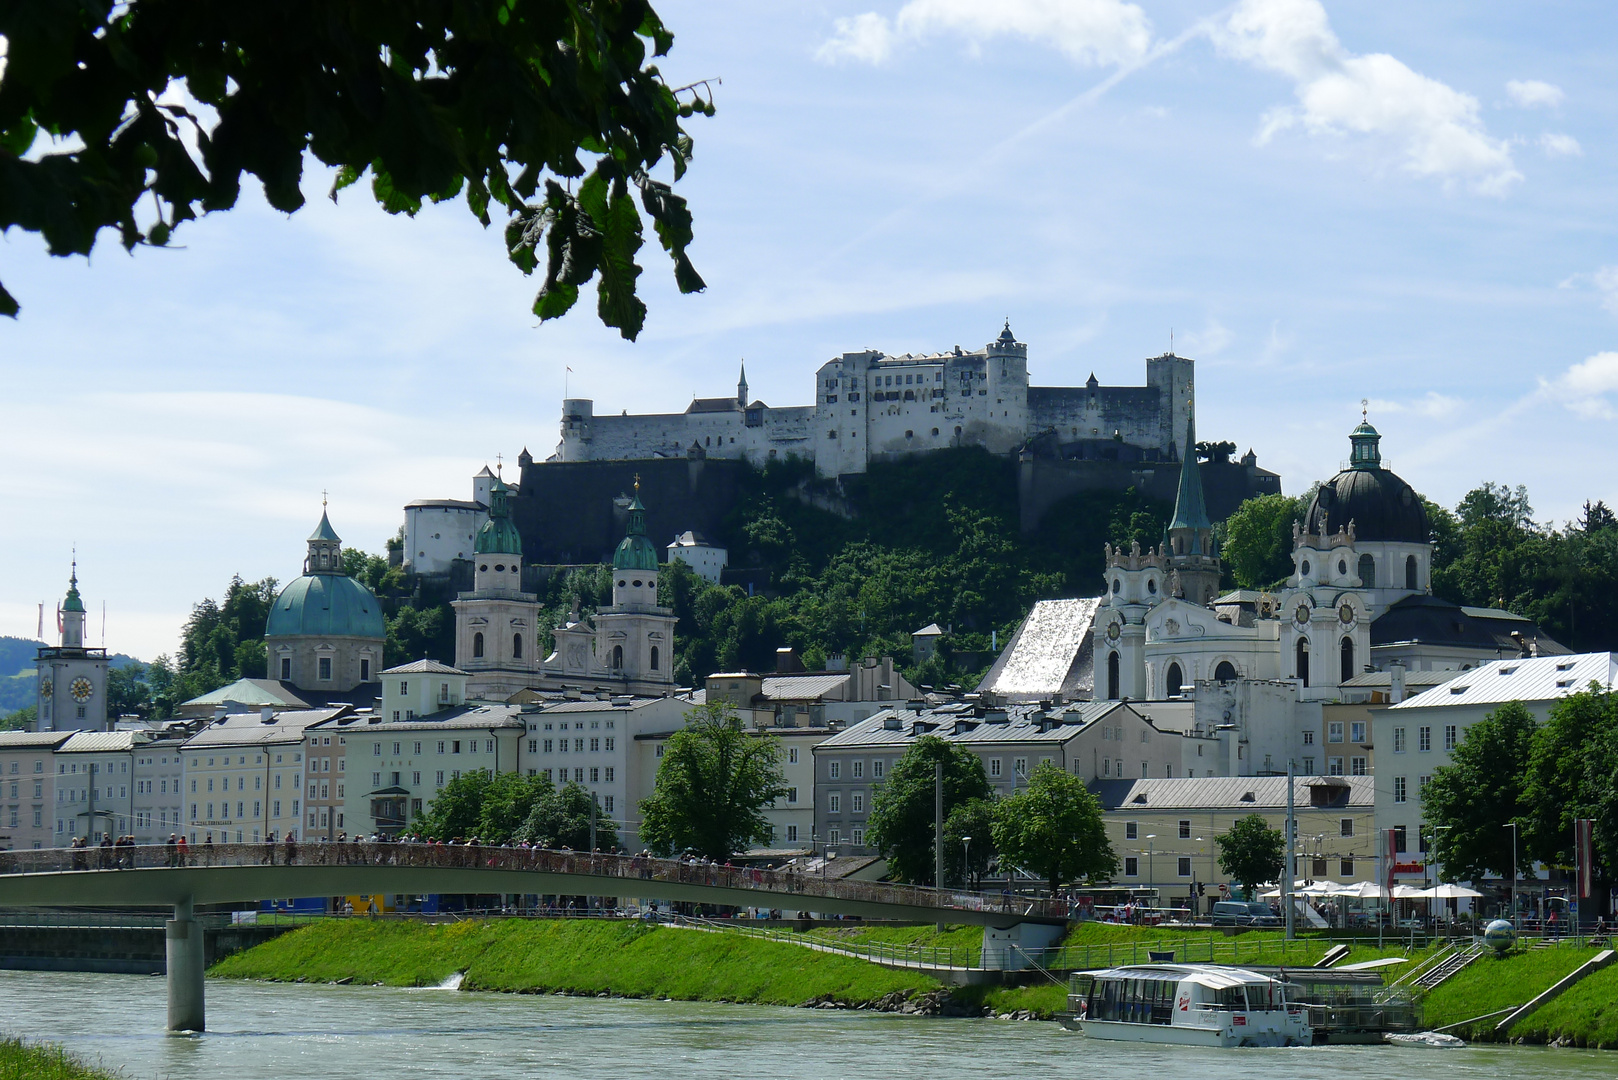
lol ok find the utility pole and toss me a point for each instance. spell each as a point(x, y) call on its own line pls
point(1286, 869)
point(938, 828)
point(592, 823)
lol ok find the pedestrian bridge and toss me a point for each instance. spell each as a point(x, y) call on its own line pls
point(236, 873)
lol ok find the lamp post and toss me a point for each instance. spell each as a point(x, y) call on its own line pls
point(1435, 830)
point(1151, 863)
point(1512, 825)
point(966, 860)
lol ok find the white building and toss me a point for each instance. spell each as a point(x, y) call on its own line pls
point(871, 407)
point(243, 775)
point(420, 689)
point(94, 786)
point(157, 804)
point(440, 531)
point(1416, 737)
point(28, 788)
point(707, 560)
point(394, 771)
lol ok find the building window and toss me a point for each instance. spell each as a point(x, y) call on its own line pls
point(1345, 826)
point(1410, 572)
point(1345, 867)
point(1317, 868)
point(1398, 740)
point(1398, 789)
point(1106, 766)
point(1131, 830)
point(1131, 866)
point(286, 669)
point(857, 802)
point(834, 803)
point(610, 772)
point(1019, 767)
point(595, 745)
point(792, 795)
point(1334, 731)
point(1450, 732)
point(835, 770)
point(792, 755)
point(1184, 865)
point(1424, 739)
point(1172, 683)
point(876, 769)
point(516, 646)
point(1112, 673)
point(1367, 572)
point(654, 658)
point(1421, 786)
point(659, 750)
point(595, 774)
point(1308, 738)
point(325, 669)
point(617, 658)
point(1346, 649)
point(477, 645)
point(1400, 840)
point(858, 770)
point(836, 837)
point(1334, 766)
point(792, 834)
point(1302, 667)
point(365, 670)
point(1185, 829)
point(1357, 766)
point(994, 766)
point(1356, 732)
point(1308, 765)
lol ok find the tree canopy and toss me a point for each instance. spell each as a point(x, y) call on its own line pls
point(1252, 853)
point(505, 807)
point(712, 787)
point(1053, 828)
point(901, 822)
point(1470, 803)
point(1257, 547)
point(149, 114)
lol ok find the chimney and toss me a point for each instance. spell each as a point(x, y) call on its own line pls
point(1396, 682)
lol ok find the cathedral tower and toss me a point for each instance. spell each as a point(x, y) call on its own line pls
point(635, 637)
point(1192, 563)
point(496, 624)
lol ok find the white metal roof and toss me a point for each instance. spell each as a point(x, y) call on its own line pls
point(1535, 678)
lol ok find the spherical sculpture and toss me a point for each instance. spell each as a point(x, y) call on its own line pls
point(1499, 936)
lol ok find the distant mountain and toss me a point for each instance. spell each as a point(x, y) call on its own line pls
point(17, 671)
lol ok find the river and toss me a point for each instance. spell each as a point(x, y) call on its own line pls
point(264, 1031)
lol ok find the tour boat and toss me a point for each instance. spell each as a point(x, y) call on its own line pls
point(1193, 1004)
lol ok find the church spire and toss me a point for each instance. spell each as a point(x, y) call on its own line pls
point(72, 617)
point(1190, 511)
point(741, 387)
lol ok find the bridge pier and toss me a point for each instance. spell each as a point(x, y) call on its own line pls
point(185, 949)
point(1006, 948)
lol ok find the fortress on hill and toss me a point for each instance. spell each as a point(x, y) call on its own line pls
point(870, 407)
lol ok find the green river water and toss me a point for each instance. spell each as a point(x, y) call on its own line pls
point(262, 1031)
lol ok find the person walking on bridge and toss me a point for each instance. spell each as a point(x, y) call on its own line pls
point(183, 850)
point(292, 848)
point(172, 851)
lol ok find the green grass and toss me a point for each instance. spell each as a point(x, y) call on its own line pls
point(1044, 999)
point(966, 941)
point(1491, 983)
point(32, 1061)
point(534, 956)
point(1587, 1014)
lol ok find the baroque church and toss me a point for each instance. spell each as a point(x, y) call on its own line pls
point(627, 648)
point(325, 634)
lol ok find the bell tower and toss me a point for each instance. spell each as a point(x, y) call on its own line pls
point(72, 678)
point(635, 637)
point(1191, 561)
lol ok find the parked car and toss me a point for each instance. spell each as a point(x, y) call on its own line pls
point(1244, 913)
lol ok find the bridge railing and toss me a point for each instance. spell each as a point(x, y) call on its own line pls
point(639, 875)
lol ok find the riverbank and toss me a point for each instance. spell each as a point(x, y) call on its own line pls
point(31, 1061)
point(1586, 1015)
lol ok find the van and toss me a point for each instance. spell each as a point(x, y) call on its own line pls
point(1244, 913)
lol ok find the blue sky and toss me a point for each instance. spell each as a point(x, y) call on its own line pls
point(1403, 203)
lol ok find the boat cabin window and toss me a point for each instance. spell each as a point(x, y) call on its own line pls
point(1133, 1001)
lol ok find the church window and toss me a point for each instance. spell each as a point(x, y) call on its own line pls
point(617, 657)
point(1305, 568)
point(365, 671)
point(708, 441)
point(477, 645)
point(1303, 661)
point(1112, 676)
point(1367, 571)
point(1116, 585)
point(484, 568)
point(325, 668)
point(1410, 572)
point(499, 568)
point(1347, 650)
point(1151, 585)
point(635, 583)
point(286, 669)
point(516, 646)
point(1225, 672)
point(1342, 566)
point(1175, 679)
point(622, 585)
point(654, 657)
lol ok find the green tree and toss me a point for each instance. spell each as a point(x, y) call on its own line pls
point(1252, 853)
point(496, 99)
point(21, 720)
point(1258, 540)
point(506, 802)
point(901, 823)
point(1470, 803)
point(421, 633)
point(561, 819)
point(966, 863)
point(1053, 828)
point(712, 787)
point(457, 810)
point(127, 692)
point(1559, 786)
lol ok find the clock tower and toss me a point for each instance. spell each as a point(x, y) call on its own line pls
point(72, 684)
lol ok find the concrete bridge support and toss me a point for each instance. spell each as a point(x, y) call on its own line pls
point(1008, 948)
point(185, 950)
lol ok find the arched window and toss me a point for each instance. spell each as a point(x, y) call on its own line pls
point(1367, 572)
point(1225, 672)
point(1347, 651)
point(654, 657)
point(1410, 573)
point(1173, 681)
point(477, 645)
point(1303, 661)
point(516, 646)
point(1112, 676)
point(617, 657)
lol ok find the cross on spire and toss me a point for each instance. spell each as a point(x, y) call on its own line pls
point(1365, 410)
point(323, 494)
point(637, 484)
point(499, 464)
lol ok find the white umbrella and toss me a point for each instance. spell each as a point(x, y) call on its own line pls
point(1450, 892)
point(1410, 892)
point(1323, 887)
point(1363, 890)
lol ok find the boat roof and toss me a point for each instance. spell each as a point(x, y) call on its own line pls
point(1214, 977)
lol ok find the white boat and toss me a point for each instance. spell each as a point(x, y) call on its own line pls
point(1424, 1040)
point(1192, 1004)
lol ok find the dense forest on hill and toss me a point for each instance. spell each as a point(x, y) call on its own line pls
point(853, 572)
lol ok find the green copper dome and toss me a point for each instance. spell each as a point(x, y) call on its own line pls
point(636, 551)
point(498, 535)
point(326, 605)
point(73, 601)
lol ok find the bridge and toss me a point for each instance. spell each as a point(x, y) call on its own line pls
point(234, 873)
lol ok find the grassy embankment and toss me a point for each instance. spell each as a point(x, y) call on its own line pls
point(626, 959)
point(32, 1061)
point(1586, 1015)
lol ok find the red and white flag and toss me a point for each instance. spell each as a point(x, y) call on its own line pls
point(1584, 855)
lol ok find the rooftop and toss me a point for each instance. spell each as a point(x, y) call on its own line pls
point(251, 693)
point(99, 742)
point(251, 729)
point(24, 740)
point(1053, 652)
point(1228, 792)
point(1535, 678)
point(424, 667)
point(964, 722)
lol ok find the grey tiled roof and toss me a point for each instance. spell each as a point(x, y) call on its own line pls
point(958, 723)
point(1536, 678)
point(1226, 792)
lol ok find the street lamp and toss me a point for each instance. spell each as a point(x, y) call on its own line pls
point(1432, 908)
point(1151, 862)
point(1512, 825)
point(966, 860)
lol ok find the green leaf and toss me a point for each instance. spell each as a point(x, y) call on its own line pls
point(159, 235)
point(346, 176)
point(16, 139)
point(617, 303)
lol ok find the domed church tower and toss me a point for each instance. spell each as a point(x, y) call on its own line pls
point(496, 635)
point(325, 633)
point(635, 637)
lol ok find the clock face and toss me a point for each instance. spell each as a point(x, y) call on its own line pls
point(1302, 614)
point(1346, 613)
point(1113, 631)
point(46, 688)
point(81, 690)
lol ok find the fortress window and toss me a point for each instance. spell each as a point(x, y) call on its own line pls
point(957, 430)
point(935, 432)
point(910, 434)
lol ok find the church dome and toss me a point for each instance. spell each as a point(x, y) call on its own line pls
point(498, 535)
point(635, 551)
point(326, 605)
point(1381, 505)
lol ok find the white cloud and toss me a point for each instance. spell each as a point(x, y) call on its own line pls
point(1531, 92)
point(1433, 405)
point(1087, 31)
point(1433, 129)
point(1606, 283)
point(1556, 144)
point(1583, 387)
point(1209, 341)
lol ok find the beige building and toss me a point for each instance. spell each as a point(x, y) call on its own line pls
point(243, 775)
point(1163, 830)
point(28, 788)
point(396, 770)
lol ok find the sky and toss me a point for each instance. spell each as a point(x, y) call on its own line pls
point(1322, 203)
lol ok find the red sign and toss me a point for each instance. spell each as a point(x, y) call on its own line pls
point(1408, 868)
point(1239, 1020)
